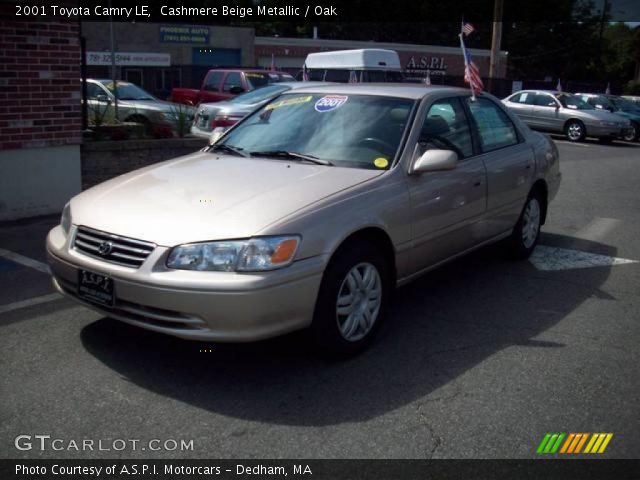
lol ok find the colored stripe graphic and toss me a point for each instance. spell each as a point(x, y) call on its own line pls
point(572, 443)
point(551, 442)
point(598, 443)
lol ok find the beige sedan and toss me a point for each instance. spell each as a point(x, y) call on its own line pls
point(306, 214)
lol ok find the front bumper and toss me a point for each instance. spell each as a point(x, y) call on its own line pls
point(209, 306)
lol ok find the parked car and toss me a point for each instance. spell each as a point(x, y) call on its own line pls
point(134, 105)
point(566, 113)
point(620, 106)
point(224, 84)
point(354, 66)
point(306, 214)
point(226, 114)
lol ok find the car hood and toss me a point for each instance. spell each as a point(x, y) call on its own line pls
point(207, 196)
point(157, 106)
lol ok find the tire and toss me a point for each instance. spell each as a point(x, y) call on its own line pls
point(142, 120)
point(526, 233)
point(343, 327)
point(633, 134)
point(575, 131)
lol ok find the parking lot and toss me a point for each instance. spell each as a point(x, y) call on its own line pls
point(479, 359)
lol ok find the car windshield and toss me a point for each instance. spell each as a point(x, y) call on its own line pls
point(573, 102)
point(259, 95)
point(362, 131)
point(128, 91)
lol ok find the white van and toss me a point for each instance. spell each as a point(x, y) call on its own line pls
point(363, 65)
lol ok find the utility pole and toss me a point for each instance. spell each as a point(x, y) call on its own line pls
point(495, 41)
point(113, 66)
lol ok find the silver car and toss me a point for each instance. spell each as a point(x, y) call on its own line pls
point(134, 105)
point(566, 113)
point(307, 214)
point(226, 114)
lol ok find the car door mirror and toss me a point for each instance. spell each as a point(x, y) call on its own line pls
point(236, 89)
point(103, 99)
point(435, 160)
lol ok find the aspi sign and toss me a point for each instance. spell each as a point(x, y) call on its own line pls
point(100, 11)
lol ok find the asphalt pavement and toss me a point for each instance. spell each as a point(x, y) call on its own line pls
point(479, 359)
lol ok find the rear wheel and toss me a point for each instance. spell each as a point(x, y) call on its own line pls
point(526, 233)
point(575, 131)
point(352, 300)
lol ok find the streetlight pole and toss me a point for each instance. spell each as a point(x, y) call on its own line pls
point(496, 38)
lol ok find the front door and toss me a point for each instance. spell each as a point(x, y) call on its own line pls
point(446, 205)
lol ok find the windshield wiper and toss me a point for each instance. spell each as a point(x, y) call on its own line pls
point(229, 148)
point(292, 156)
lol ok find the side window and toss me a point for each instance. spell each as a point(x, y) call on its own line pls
point(233, 79)
point(446, 127)
point(543, 100)
point(94, 90)
point(212, 82)
point(526, 98)
point(495, 128)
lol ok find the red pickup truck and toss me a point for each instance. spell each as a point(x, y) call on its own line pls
point(223, 84)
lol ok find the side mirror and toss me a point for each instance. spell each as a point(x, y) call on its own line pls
point(216, 134)
point(103, 99)
point(236, 89)
point(435, 160)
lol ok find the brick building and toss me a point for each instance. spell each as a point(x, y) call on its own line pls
point(40, 117)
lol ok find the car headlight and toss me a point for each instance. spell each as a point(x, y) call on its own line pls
point(65, 219)
point(250, 255)
point(609, 124)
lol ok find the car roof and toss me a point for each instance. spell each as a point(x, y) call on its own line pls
point(402, 90)
point(248, 70)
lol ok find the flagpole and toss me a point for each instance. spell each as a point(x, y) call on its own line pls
point(466, 67)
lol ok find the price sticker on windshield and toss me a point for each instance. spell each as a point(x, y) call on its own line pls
point(330, 102)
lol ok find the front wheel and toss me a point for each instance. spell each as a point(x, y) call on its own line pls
point(352, 300)
point(526, 233)
point(575, 131)
point(632, 133)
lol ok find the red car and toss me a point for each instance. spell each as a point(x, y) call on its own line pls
point(223, 84)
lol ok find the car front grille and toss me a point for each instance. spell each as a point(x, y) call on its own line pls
point(112, 248)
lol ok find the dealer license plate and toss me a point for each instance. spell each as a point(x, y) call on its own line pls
point(95, 287)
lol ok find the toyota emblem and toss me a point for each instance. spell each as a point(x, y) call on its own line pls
point(105, 248)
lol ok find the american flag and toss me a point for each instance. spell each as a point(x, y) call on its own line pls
point(467, 28)
point(471, 71)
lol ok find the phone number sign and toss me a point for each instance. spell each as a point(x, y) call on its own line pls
point(132, 59)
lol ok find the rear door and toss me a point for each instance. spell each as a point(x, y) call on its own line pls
point(521, 104)
point(508, 160)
